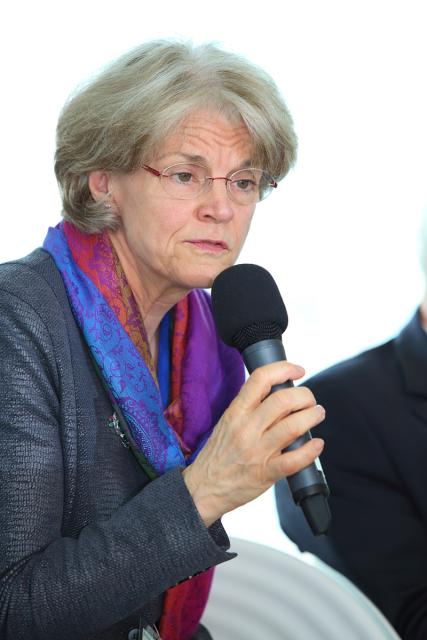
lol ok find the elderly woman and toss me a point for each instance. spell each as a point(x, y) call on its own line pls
point(126, 428)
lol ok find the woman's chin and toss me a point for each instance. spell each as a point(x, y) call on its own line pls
point(203, 278)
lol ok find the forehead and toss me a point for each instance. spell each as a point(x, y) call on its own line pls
point(206, 133)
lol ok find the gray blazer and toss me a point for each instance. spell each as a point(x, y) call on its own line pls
point(87, 543)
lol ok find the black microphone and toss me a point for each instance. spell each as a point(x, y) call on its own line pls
point(250, 315)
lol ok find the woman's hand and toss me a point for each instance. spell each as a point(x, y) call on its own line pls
point(243, 456)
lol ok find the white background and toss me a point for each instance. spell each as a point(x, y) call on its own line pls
point(340, 233)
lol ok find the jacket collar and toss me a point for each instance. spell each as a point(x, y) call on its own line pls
point(411, 350)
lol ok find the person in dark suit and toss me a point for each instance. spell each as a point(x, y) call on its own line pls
point(375, 464)
point(126, 431)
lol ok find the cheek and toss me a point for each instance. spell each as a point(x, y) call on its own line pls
point(171, 223)
point(149, 221)
point(244, 226)
point(160, 233)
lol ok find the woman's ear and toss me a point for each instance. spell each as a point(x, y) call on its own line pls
point(98, 182)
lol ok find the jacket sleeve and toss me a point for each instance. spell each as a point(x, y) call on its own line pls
point(54, 587)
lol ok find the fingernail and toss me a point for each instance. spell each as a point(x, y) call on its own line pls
point(318, 445)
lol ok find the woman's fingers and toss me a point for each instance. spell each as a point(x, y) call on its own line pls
point(290, 462)
point(258, 385)
point(286, 431)
point(282, 403)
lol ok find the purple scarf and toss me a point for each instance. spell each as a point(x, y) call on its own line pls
point(206, 376)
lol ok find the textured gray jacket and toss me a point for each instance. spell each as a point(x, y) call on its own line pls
point(87, 543)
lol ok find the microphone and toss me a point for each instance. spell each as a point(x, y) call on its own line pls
point(250, 315)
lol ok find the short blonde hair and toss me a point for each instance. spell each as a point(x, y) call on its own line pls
point(117, 120)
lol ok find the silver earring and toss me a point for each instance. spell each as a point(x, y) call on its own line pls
point(108, 204)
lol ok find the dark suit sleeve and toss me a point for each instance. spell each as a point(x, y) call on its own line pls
point(371, 467)
point(55, 587)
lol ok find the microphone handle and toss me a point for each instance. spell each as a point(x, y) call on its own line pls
point(308, 487)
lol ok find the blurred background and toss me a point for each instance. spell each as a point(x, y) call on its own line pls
point(340, 235)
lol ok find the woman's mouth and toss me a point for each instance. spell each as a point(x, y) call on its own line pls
point(210, 246)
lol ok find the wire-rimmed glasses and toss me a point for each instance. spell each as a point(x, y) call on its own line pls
point(186, 181)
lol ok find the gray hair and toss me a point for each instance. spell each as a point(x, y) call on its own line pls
point(117, 120)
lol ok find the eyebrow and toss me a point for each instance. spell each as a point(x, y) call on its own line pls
point(201, 160)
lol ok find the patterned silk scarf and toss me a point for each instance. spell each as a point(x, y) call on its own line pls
point(205, 376)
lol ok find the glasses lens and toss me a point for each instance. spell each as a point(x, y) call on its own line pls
point(184, 180)
point(250, 185)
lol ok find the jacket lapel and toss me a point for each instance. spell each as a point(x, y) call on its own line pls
point(411, 350)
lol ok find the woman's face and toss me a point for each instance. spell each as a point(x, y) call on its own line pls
point(177, 243)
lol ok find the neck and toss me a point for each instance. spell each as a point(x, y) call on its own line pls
point(154, 296)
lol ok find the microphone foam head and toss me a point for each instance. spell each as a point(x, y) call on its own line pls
point(247, 306)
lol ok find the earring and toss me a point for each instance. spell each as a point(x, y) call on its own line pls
point(107, 204)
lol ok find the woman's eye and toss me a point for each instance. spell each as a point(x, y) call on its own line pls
point(183, 177)
point(245, 185)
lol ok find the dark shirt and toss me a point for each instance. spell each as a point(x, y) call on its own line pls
point(375, 463)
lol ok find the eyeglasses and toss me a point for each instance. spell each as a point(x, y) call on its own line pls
point(186, 181)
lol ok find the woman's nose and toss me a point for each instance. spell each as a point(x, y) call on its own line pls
point(215, 202)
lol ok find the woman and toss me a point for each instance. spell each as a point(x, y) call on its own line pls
point(126, 432)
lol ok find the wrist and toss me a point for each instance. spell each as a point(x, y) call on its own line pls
point(204, 500)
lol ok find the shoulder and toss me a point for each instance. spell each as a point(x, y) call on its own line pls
point(35, 312)
point(36, 268)
point(34, 282)
point(360, 394)
point(368, 369)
